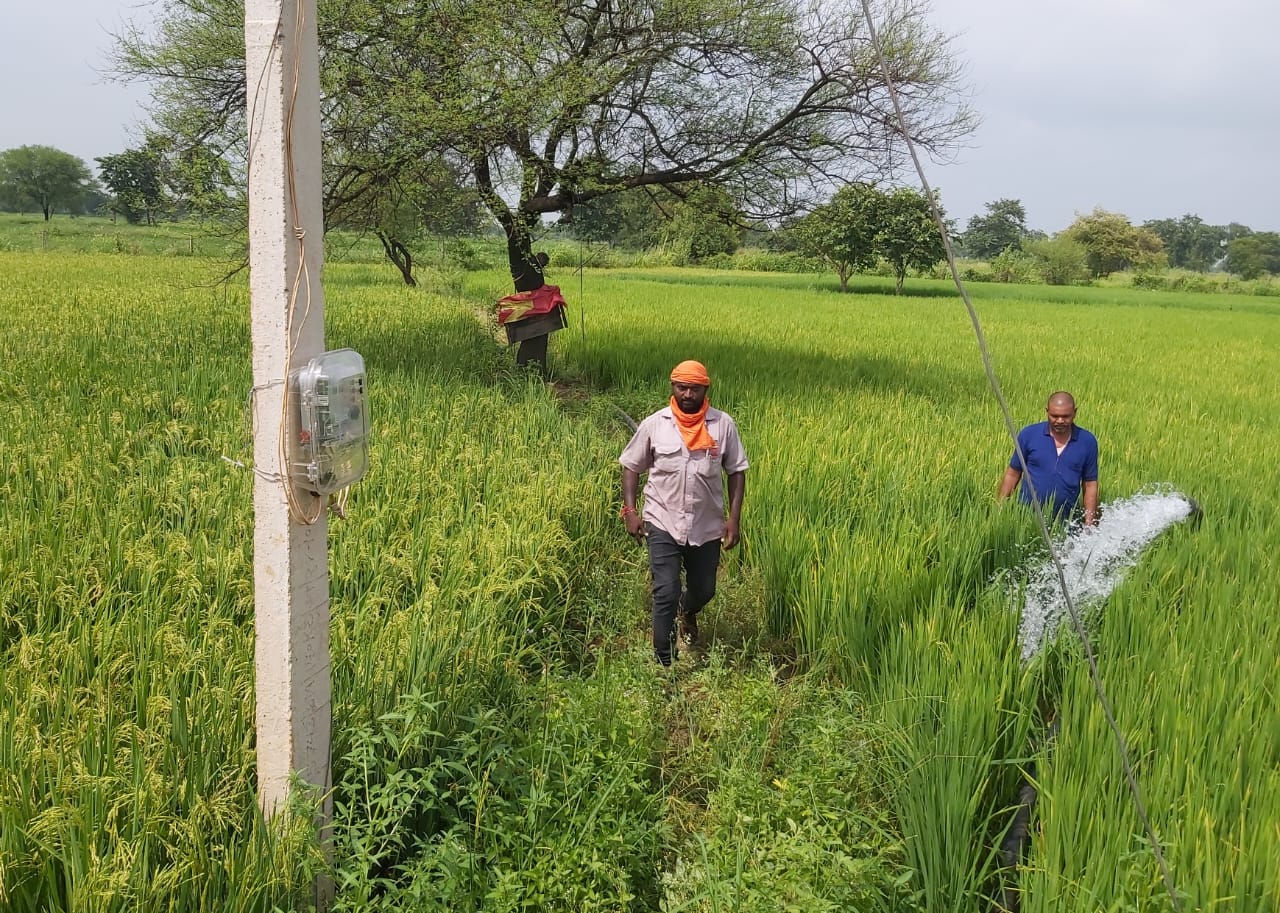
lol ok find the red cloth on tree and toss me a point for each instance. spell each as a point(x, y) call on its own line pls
point(541, 300)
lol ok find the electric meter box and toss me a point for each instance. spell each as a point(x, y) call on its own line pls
point(331, 443)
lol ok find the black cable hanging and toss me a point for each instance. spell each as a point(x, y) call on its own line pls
point(1094, 675)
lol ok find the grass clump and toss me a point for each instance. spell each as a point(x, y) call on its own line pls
point(774, 796)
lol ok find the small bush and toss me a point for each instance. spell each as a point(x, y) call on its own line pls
point(782, 784)
point(469, 256)
point(1013, 265)
point(718, 261)
point(1060, 260)
point(1150, 281)
point(977, 274)
point(769, 261)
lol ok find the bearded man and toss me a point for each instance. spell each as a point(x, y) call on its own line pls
point(687, 449)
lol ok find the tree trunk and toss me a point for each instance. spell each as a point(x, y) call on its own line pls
point(47, 210)
point(526, 271)
point(897, 285)
point(398, 254)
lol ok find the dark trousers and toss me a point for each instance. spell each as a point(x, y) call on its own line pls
point(667, 558)
point(533, 349)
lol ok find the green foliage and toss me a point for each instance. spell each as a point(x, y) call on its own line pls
point(1014, 265)
point(956, 811)
point(769, 261)
point(1254, 255)
point(843, 232)
point(1003, 227)
point(863, 224)
point(137, 178)
point(1189, 243)
point(629, 219)
point(1111, 244)
point(778, 807)
point(547, 106)
point(1060, 260)
point(45, 178)
point(703, 225)
point(542, 805)
point(907, 235)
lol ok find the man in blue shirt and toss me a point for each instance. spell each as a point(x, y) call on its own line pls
point(1062, 460)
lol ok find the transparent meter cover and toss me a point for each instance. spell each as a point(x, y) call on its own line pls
point(331, 445)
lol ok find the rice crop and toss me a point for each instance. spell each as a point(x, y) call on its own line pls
point(126, 688)
point(501, 740)
point(877, 449)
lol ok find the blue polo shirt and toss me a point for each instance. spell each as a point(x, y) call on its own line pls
point(1057, 479)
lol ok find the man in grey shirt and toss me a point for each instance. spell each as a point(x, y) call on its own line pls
point(685, 449)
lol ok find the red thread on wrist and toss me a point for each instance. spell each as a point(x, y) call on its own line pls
point(627, 510)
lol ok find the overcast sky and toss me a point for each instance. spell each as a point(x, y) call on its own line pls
point(1151, 108)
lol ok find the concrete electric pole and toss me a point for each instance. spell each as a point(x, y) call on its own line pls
point(290, 544)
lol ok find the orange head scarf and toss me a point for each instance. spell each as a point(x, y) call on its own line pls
point(693, 428)
point(691, 372)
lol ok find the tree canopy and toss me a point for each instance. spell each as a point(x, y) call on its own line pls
point(842, 232)
point(1189, 242)
point(908, 236)
point(1112, 244)
point(548, 104)
point(137, 180)
point(1003, 226)
point(44, 178)
point(863, 224)
point(1251, 255)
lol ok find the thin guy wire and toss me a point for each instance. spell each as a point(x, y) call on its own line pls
point(1094, 675)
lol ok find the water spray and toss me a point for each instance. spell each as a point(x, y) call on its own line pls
point(1095, 559)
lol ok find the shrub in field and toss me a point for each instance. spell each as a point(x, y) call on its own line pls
point(1112, 244)
point(718, 261)
point(1060, 260)
point(1014, 265)
point(568, 256)
point(544, 804)
point(766, 261)
point(776, 807)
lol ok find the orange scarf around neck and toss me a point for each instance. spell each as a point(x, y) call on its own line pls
point(693, 428)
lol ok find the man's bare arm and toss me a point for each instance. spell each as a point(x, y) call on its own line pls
point(1009, 482)
point(1091, 503)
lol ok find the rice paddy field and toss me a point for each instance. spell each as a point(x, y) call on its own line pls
point(853, 736)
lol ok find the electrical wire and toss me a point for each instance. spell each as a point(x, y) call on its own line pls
point(1094, 675)
point(300, 291)
point(301, 280)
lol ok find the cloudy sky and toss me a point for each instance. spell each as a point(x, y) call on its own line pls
point(1152, 108)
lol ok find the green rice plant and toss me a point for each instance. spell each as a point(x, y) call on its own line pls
point(483, 580)
point(870, 511)
point(126, 604)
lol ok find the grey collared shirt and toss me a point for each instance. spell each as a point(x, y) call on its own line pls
point(684, 493)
